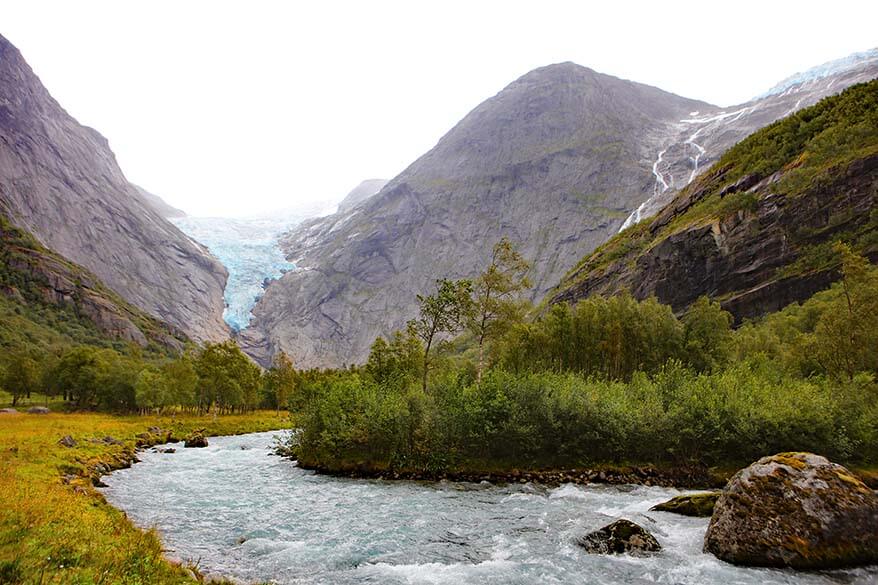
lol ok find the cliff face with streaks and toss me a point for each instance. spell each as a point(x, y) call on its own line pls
point(756, 231)
point(697, 140)
point(59, 181)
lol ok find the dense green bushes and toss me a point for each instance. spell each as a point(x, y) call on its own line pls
point(616, 337)
point(550, 419)
point(616, 380)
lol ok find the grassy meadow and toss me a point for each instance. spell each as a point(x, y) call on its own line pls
point(55, 527)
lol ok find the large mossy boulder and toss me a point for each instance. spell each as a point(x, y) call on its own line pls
point(795, 510)
point(699, 505)
point(622, 536)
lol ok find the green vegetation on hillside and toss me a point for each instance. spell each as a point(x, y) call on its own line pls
point(614, 381)
point(29, 273)
point(53, 347)
point(808, 149)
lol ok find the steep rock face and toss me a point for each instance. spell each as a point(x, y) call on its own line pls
point(60, 182)
point(556, 162)
point(360, 193)
point(795, 510)
point(158, 204)
point(753, 234)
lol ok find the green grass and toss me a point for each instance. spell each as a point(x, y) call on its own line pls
point(57, 532)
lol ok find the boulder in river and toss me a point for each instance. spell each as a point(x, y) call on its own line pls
point(699, 505)
point(795, 510)
point(622, 536)
point(38, 410)
point(196, 439)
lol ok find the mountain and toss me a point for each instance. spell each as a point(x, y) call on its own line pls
point(757, 230)
point(556, 161)
point(703, 136)
point(159, 205)
point(45, 297)
point(360, 193)
point(60, 182)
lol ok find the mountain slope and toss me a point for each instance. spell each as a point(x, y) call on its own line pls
point(699, 139)
point(756, 231)
point(60, 182)
point(555, 162)
point(158, 204)
point(360, 193)
point(44, 292)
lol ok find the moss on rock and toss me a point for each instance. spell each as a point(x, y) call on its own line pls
point(699, 505)
point(795, 510)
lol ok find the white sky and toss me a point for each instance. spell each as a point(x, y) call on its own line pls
point(229, 108)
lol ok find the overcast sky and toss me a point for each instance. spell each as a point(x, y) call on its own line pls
point(233, 108)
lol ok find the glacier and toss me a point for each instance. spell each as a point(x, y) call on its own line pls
point(824, 70)
point(248, 247)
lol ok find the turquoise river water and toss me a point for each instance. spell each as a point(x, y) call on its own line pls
point(235, 510)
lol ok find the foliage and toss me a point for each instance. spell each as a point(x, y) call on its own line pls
point(707, 335)
point(495, 296)
point(20, 376)
point(445, 311)
point(280, 382)
point(227, 378)
point(612, 380)
point(551, 419)
point(397, 360)
point(610, 337)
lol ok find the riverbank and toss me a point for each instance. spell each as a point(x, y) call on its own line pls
point(683, 477)
point(646, 475)
point(55, 527)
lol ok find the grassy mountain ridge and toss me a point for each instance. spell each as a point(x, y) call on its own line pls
point(761, 222)
point(48, 300)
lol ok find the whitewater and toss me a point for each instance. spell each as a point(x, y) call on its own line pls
point(235, 510)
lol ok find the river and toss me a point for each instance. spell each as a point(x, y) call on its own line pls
point(238, 511)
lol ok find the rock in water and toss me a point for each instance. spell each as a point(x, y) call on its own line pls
point(622, 536)
point(196, 439)
point(699, 505)
point(795, 510)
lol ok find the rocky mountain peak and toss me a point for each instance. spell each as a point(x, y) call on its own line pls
point(555, 161)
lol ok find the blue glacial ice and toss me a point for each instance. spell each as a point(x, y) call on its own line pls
point(827, 69)
point(249, 250)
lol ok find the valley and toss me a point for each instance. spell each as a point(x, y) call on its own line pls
point(590, 295)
